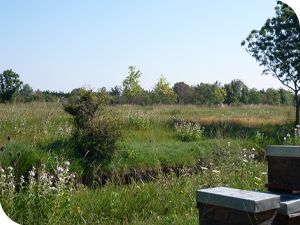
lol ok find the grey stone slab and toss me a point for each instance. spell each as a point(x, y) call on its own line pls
point(283, 151)
point(250, 201)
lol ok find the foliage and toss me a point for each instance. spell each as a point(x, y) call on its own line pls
point(184, 92)
point(188, 131)
point(131, 86)
point(9, 85)
point(237, 92)
point(94, 136)
point(43, 197)
point(164, 92)
point(26, 91)
point(255, 96)
point(272, 97)
point(276, 47)
point(140, 119)
point(210, 94)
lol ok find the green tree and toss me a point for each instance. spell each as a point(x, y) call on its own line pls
point(276, 46)
point(255, 96)
point(286, 96)
point(131, 86)
point(185, 93)
point(272, 97)
point(219, 93)
point(9, 85)
point(164, 91)
point(26, 91)
point(236, 92)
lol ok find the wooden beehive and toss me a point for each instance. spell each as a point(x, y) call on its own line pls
point(222, 205)
point(283, 168)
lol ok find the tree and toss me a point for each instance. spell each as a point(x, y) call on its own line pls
point(131, 86)
point(255, 96)
point(276, 46)
point(185, 93)
point(236, 92)
point(272, 97)
point(164, 91)
point(26, 91)
point(286, 96)
point(9, 85)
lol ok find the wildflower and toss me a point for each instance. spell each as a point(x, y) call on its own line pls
point(11, 153)
point(223, 164)
point(2, 149)
point(210, 164)
point(10, 168)
point(263, 173)
point(31, 173)
point(257, 178)
point(217, 167)
point(245, 160)
point(67, 163)
point(181, 192)
point(203, 168)
point(288, 135)
point(284, 138)
point(8, 138)
point(251, 156)
point(256, 183)
point(78, 207)
point(60, 169)
point(253, 149)
point(215, 171)
point(19, 154)
point(297, 126)
point(228, 144)
point(217, 175)
point(14, 163)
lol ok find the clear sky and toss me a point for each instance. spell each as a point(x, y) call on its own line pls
point(62, 45)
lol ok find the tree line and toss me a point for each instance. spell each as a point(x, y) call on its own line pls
point(235, 93)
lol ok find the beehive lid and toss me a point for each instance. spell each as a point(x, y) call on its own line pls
point(250, 201)
point(283, 151)
point(289, 203)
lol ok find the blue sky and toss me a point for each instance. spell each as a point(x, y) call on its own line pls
point(62, 45)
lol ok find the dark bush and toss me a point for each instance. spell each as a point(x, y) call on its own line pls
point(95, 136)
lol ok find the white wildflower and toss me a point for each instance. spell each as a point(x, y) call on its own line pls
point(67, 163)
point(215, 171)
point(251, 156)
point(31, 173)
point(253, 149)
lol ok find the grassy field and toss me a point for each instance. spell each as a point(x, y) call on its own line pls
point(167, 154)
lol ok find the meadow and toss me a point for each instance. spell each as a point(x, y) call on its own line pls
point(168, 152)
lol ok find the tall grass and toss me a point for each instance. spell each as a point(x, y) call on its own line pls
point(161, 172)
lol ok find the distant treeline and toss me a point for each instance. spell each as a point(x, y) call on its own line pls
point(235, 93)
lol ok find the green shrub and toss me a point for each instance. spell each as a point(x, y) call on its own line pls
point(188, 131)
point(95, 136)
